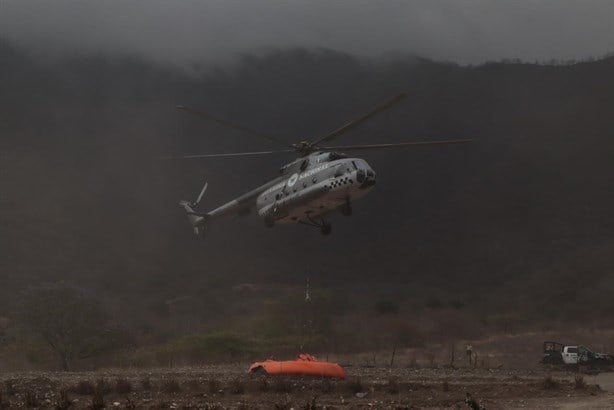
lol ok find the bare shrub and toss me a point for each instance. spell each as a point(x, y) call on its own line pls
point(262, 385)
point(123, 386)
point(103, 386)
point(63, 402)
point(130, 404)
point(430, 357)
point(580, 383)
point(550, 384)
point(83, 388)
point(193, 385)
point(171, 386)
point(3, 404)
point(69, 320)
point(98, 397)
point(161, 404)
point(213, 386)
point(9, 386)
point(30, 399)
point(282, 385)
point(354, 385)
point(311, 404)
point(146, 383)
point(392, 386)
point(282, 406)
point(326, 386)
point(237, 386)
point(445, 386)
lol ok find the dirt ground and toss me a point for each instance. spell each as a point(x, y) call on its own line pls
point(229, 387)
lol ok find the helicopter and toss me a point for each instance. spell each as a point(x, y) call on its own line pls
point(323, 179)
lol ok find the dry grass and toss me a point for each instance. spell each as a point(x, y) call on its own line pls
point(262, 385)
point(9, 387)
point(213, 386)
point(30, 399)
point(354, 385)
point(171, 386)
point(145, 383)
point(579, 383)
point(123, 385)
point(550, 383)
point(237, 386)
point(326, 386)
point(392, 386)
point(63, 402)
point(103, 386)
point(282, 385)
point(98, 397)
point(83, 388)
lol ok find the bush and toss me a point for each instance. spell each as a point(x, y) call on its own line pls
point(103, 386)
point(580, 384)
point(9, 386)
point(550, 384)
point(171, 386)
point(213, 386)
point(146, 383)
point(83, 388)
point(392, 386)
point(354, 385)
point(237, 386)
point(123, 386)
point(63, 402)
point(30, 399)
point(98, 397)
point(283, 385)
point(326, 386)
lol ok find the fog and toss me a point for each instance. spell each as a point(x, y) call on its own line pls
point(195, 31)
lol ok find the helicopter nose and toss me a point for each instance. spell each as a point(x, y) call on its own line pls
point(366, 178)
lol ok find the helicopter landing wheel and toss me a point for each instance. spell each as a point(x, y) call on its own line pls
point(326, 229)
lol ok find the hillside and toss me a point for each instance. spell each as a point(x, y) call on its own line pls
point(518, 223)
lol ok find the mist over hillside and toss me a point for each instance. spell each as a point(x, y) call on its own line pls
point(518, 221)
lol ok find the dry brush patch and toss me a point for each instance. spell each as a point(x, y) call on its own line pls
point(228, 386)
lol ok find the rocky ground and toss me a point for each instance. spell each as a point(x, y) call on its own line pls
point(229, 387)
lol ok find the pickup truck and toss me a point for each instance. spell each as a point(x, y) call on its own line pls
point(574, 357)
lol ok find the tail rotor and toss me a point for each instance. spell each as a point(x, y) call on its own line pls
point(196, 219)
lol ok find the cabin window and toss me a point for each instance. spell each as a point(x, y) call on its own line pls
point(314, 179)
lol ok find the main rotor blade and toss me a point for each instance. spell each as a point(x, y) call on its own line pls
point(392, 145)
point(352, 124)
point(229, 124)
point(230, 154)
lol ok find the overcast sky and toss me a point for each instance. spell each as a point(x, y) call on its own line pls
point(183, 31)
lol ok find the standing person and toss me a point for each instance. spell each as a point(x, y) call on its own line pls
point(469, 352)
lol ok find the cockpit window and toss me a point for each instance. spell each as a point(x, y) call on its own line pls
point(354, 164)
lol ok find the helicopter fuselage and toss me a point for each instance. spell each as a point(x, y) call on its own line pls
point(320, 181)
point(314, 186)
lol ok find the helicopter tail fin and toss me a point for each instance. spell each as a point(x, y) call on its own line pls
point(196, 219)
